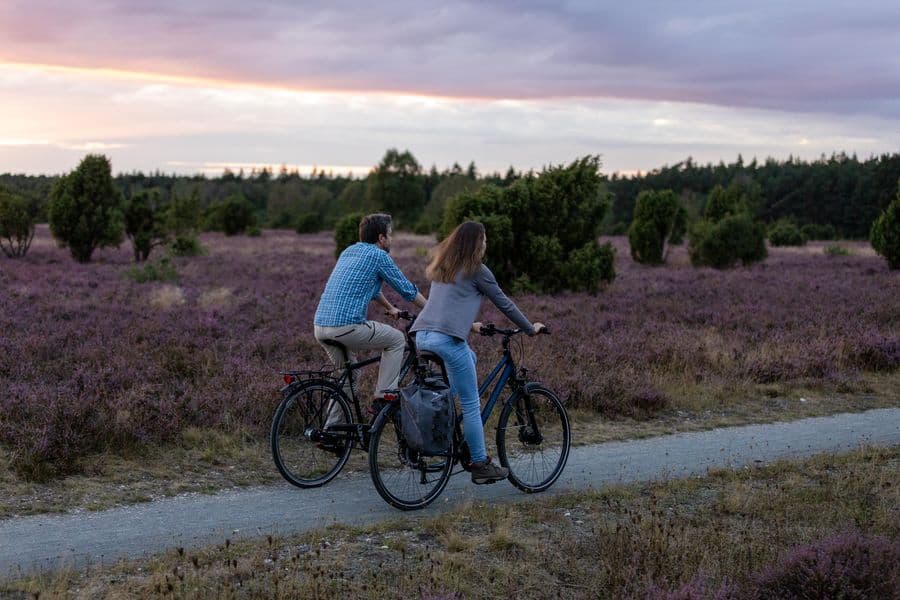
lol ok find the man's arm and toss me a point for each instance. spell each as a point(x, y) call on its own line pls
point(389, 309)
point(391, 274)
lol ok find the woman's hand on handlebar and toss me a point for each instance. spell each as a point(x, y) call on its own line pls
point(476, 326)
point(540, 328)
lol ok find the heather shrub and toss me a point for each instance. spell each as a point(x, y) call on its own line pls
point(308, 222)
point(144, 224)
point(85, 210)
point(815, 231)
point(658, 216)
point(847, 565)
point(885, 233)
point(16, 225)
point(160, 270)
point(346, 231)
point(540, 226)
point(785, 233)
point(698, 588)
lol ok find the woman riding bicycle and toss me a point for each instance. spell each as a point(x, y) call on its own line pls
point(459, 281)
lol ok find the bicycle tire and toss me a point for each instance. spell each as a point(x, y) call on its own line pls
point(535, 459)
point(398, 472)
point(302, 458)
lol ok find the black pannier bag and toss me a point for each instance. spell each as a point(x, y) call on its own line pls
point(427, 414)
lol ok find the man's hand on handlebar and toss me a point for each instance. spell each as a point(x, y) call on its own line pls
point(393, 312)
point(540, 328)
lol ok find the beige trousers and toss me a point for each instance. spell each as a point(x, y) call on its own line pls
point(370, 335)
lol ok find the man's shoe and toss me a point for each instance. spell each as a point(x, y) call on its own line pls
point(488, 472)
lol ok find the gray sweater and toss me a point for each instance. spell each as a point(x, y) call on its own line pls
point(453, 307)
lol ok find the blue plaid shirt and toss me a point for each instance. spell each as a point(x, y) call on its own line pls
point(355, 281)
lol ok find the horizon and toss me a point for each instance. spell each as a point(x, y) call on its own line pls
point(190, 88)
point(361, 172)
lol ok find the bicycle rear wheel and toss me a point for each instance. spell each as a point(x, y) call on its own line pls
point(311, 434)
point(533, 438)
point(403, 478)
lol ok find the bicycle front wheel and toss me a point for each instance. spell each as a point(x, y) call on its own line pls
point(402, 477)
point(533, 438)
point(312, 434)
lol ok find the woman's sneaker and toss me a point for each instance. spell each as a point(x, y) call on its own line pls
point(488, 472)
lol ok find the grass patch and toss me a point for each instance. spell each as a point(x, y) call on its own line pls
point(716, 532)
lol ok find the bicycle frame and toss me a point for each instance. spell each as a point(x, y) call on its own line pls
point(409, 362)
point(504, 369)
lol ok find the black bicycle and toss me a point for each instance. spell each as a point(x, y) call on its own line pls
point(316, 426)
point(533, 438)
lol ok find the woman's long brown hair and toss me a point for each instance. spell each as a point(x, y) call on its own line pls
point(462, 250)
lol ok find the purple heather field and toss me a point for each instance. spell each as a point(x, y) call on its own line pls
point(91, 360)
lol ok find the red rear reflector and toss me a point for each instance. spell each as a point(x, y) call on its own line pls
point(390, 397)
point(289, 379)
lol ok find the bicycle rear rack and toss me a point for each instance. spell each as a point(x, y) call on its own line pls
point(292, 377)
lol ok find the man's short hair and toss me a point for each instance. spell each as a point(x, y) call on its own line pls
point(373, 226)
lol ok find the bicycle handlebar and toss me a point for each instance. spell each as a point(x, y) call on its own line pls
point(490, 329)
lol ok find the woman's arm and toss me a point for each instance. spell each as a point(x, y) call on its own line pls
point(487, 285)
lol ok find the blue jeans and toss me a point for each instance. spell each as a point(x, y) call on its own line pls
point(460, 363)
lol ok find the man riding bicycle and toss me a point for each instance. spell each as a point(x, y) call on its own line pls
point(356, 281)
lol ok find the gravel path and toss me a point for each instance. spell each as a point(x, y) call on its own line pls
point(79, 539)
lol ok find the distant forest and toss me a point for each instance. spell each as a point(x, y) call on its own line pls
point(839, 190)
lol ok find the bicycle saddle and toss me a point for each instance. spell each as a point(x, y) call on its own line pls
point(338, 345)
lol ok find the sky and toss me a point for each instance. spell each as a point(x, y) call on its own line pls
point(188, 86)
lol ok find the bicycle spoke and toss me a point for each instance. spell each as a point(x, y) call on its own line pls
point(305, 453)
point(402, 477)
point(533, 439)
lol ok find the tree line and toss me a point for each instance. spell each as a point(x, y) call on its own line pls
point(839, 191)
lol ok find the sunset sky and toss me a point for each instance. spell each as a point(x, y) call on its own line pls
point(194, 86)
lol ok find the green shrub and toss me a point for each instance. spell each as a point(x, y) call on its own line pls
point(538, 225)
point(658, 215)
point(308, 223)
point(836, 250)
point(236, 215)
point(16, 225)
point(232, 216)
point(727, 233)
point(814, 231)
point(144, 224)
point(722, 244)
point(885, 233)
point(161, 270)
point(85, 210)
point(254, 231)
point(346, 231)
point(186, 246)
point(783, 232)
point(183, 215)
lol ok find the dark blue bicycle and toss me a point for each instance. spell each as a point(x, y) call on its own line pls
point(533, 437)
